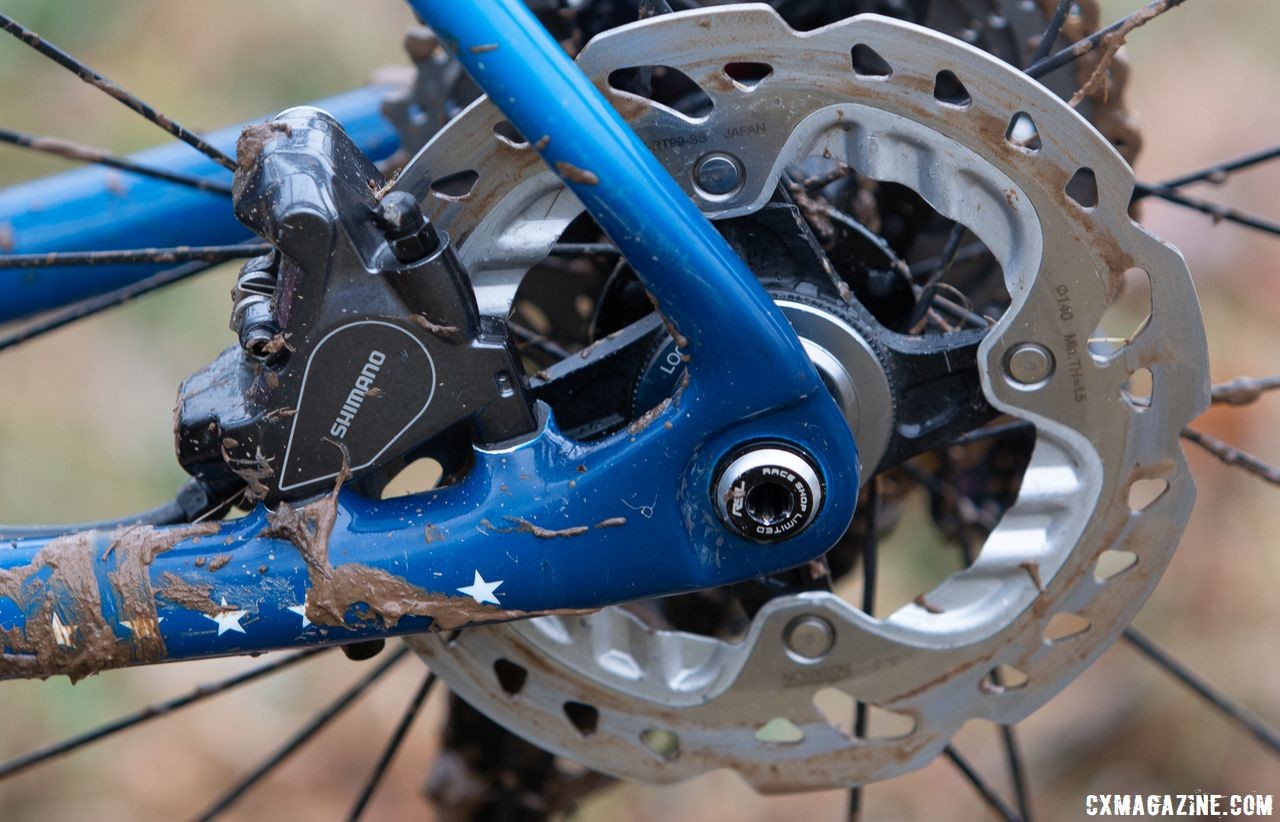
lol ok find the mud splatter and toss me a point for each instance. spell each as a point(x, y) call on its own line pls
point(275, 345)
point(193, 596)
point(523, 526)
point(65, 148)
point(1033, 571)
point(682, 342)
point(925, 604)
point(252, 470)
point(335, 590)
point(576, 175)
point(87, 644)
point(114, 182)
point(647, 418)
point(218, 562)
point(135, 548)
point(1109, 45)
point(81, 642)
point(450, 332)
point(254, 138)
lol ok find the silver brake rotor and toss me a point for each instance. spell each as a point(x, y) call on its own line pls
point(776, 706)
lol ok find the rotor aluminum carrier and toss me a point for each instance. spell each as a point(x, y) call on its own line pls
point(660, 706)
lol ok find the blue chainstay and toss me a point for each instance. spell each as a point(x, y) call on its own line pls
point(546, 525)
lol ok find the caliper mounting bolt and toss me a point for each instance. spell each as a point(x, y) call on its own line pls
point(260, 341)
point(768, 492)
point(252, 315)
point(408, 231)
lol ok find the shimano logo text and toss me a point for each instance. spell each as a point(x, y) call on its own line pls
point(355, 398)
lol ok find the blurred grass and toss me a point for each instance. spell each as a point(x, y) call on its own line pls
point(85, 432)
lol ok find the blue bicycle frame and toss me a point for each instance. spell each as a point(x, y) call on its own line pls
point(546, 524)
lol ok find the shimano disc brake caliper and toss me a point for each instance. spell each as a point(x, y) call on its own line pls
point(359, 338)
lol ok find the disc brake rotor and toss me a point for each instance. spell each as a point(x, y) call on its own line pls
point(777, 705)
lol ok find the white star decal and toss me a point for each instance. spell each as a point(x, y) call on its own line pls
point(301, 610)
point(62, 633)
point(227, 618)
point(146, 626)
point(482, 591)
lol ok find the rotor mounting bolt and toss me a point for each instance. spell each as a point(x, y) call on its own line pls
point(809, 637)
point(718, 174)
point(1029, 364)
point(768, 492)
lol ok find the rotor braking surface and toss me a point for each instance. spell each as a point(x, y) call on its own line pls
point(1054, 212)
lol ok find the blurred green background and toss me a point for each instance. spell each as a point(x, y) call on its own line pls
point(88, 435)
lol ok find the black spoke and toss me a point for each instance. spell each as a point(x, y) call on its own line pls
point(1051, 31)
point(927, 266)
point(1017, 772)
point(1013, 756)
point(393, 745)
point(1228, 707)
point(929, 289)
point(820, 181)
point(644, 10)
point(870, 561)
point(1228, 454)
point(85, 308)
point(992, 432)
point(1109, 38)
point(88, 154)
point(952, 497)
point(973, 250)
point(317, 723)
point(652, 8)
point(21, 763)
point(960, 312)
point(1217, 211)
point(96, 80)
point(575, 249)
point(871, 550)
point(177, 254)
point(829, 210)
point(528, 336)
point(1244, 390)
point(1218, 173)
point(984, 790)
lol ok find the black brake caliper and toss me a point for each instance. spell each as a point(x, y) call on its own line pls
point(359, 338)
